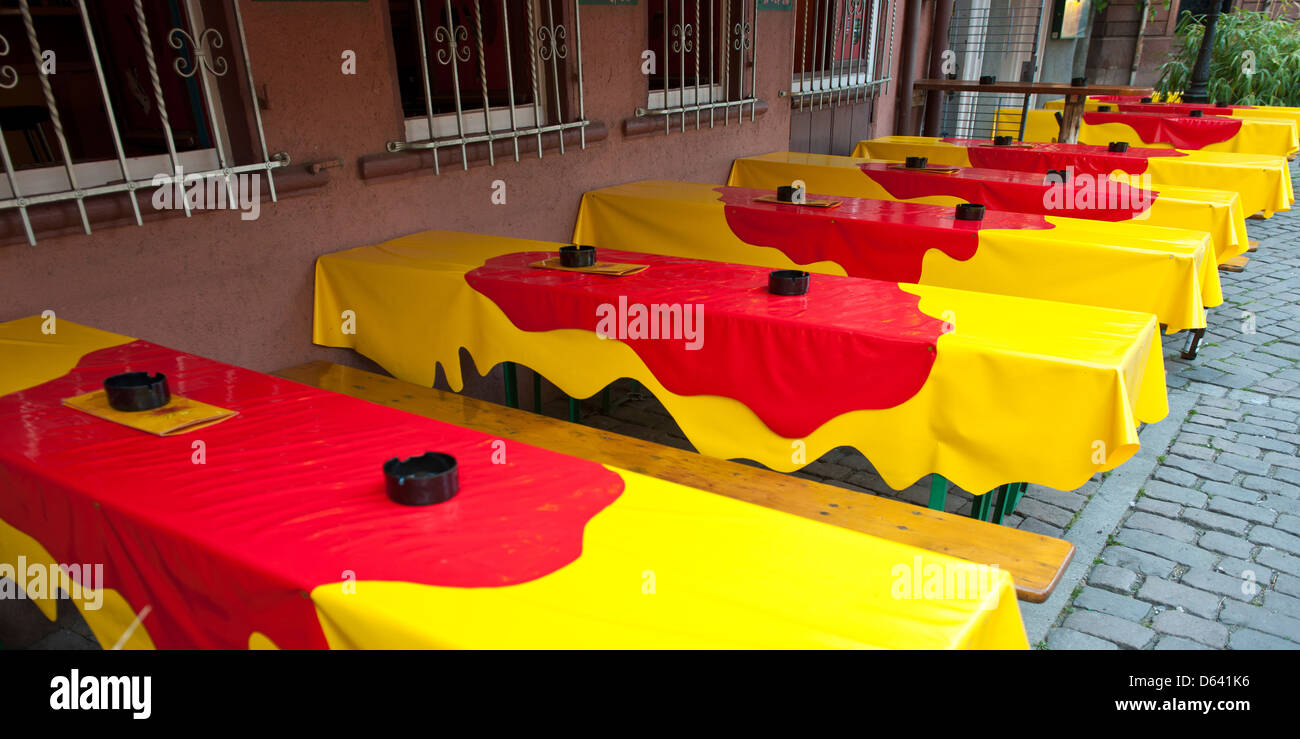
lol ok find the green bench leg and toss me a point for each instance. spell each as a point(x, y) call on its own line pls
point(575, 410)
point(605, 400)
point(1006, 501)
point(938, 492)
point(537, 393)
point(512, 384)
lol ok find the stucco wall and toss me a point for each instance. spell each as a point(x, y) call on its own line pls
point(241, 291)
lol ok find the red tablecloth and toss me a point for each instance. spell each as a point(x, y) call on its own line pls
point(290, 496)
point(796, 362)
point(1040, 157)
point(1177, 108)
point(876, 239)
point(1179, 131)
point(1001, 189)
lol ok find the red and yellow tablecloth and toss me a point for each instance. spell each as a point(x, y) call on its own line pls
point(1217, 212)
point(1262, 181)
point(1275, 136)
point(1165, 271)
point(1018, 389)
point(1134, 104)
point(272, 529)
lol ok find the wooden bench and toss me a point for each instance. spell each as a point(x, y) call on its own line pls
point(1035, 562)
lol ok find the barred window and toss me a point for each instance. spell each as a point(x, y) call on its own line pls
point(473, 71)
point(705, 66)
point(838, 48)
point(104, 97)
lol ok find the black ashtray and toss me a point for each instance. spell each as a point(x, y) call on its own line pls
point(577, 255)
point(1079, 82)
point(788, 282)
point(951, 76)
point(988, 79)
point(785, 193)
point(1060, 174)
point(1103, 108)
point(1146, 100)
point(916, 162)
point(1196, 113)
point(424, 480)
point(970, 212)
point(137, 391)
point(1004, 140)
point(1117, 147)
point(1222, 104)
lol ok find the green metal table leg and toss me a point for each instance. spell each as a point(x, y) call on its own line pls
point(1006, 501)
point(537, 393)
point(980, 507)
point(605, 401)
point(938, 492)
point(575, 410)
point(512, 384)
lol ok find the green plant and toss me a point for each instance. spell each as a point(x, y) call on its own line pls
point(1255, 59)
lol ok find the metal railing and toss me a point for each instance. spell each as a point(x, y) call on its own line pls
point(548, 45)
point(842, 52)
point(205, 62)
point(736, 34)
point(999, 38)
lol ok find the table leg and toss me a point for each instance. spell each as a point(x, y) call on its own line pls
point(606, 403)
point(1024, 117)
point(1193, 343)
point(1071, 117)
point(537, 392)
point(980, 507)
point(938, 492)
point(512, 384)
point(575, 410)
point(1006, 501)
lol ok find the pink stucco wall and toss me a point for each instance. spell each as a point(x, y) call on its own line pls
point(241, 291)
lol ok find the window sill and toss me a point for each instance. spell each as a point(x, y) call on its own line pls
point(396, 165)
point(636, 127)
point(52, 220)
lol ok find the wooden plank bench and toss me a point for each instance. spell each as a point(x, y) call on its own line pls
point(1035, 562)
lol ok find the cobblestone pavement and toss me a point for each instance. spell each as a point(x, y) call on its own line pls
point(1207, 554)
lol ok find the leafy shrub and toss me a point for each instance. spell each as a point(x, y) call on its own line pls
point(1255, 59)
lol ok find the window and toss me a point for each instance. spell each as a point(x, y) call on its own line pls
point(473, 71)
point(705, 60)
point(837, 48)
point(113, 94)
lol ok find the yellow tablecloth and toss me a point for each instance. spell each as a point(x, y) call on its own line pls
point(1021, 390)
point(1275, 137)
point(662, 566)
point(1129, 266)
point(1217, 212)
point(1262, 181)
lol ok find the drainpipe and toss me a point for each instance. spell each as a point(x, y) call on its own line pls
point(938, 45)
point(1198, 92)
point(907, 68)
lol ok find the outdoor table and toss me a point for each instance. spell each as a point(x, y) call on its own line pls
point(1263, 181)
point(1008, 390)
point(282, 535)
point(1073, 101)
point(1168, 272)
point(1134, 104)
point(1217, 212)
point(1161, 130)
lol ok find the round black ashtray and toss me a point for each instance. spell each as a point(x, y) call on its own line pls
point(137, 391)
point(424, 480)
point(1057, 175)
point(1103, 108)
point(1196, 113)
point(785, 193)
point(970, 212)
point(1004, 140)
point(988, 79)
point(1146, 100)
point(1079, 82)
point(917, 162)
point(788, 282)
point(577, 255)
point(1117, 147)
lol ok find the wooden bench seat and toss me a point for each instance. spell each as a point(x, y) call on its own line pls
point(1035, 562)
